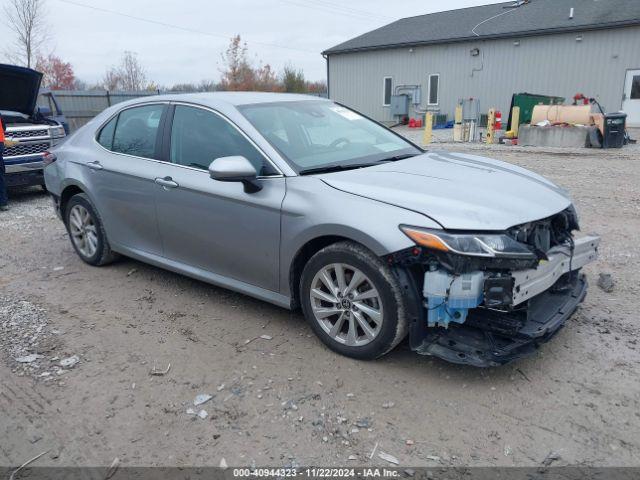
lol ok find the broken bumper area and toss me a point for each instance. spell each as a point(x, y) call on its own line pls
point(489, 338)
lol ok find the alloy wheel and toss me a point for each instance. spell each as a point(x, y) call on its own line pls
point(83, 231)
point(346, 304)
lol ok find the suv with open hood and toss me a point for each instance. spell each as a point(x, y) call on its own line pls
point(33, 133)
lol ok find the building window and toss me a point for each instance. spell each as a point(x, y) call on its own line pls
point(635, 88)
point(434, 89)
point(387, 83)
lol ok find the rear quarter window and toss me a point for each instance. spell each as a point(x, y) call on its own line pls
point(105, 137)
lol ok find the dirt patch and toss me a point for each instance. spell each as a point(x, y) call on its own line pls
point(29, 344)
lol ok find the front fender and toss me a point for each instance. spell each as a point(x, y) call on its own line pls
point(312, 210)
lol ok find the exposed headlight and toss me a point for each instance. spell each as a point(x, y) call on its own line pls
point(574, 217)
point(57, 132)
point(475, 245)
point(57, 135)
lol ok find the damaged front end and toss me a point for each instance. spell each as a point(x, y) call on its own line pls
point(485, 299)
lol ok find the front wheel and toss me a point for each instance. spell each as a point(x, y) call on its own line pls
point(353, 301)
point(86, 231)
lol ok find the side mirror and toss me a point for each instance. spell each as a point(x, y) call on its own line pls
point(45, 111)
point(235, 169)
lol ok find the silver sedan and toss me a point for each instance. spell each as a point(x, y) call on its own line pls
point(305, 203)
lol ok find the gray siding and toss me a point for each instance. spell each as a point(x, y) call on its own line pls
point(550, 65)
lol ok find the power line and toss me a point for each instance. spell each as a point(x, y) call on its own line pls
point(342, 8)
point(513, 9)
point(177, 27)
point(327, 9)
point(350, 9)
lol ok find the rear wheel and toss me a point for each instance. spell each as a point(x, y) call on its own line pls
point(352, 301)
point(86, 231)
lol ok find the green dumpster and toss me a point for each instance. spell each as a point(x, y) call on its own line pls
point(526, 102)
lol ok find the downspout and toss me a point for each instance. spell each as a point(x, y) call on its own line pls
point(326, 57)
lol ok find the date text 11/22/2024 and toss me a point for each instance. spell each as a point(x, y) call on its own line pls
point(316, 472)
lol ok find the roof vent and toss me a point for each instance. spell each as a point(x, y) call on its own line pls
point(571, 13)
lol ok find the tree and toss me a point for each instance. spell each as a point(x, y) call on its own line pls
point(184, 88)
point(293, 80)
point(153, 87)
point(203, 86)
point(319, 87)
point(57, 75)
point(266, 79)
point(207, 86)
point(111, 79)
point(237, 73)
point(133, 74)
point(80, 84)
point(26, 18)
point(129, 75)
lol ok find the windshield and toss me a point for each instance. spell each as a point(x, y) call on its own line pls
point(313, 134)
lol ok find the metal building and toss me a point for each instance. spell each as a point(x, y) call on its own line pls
point(549, 47)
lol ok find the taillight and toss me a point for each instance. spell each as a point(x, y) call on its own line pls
point(48, 158)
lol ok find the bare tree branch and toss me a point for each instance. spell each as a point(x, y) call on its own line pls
point(130, 75)
point(26, 19)
point(134, 77)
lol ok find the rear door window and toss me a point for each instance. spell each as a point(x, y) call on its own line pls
point(136, 131)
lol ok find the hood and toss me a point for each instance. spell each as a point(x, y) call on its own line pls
point(19, 87)
point(460, 192)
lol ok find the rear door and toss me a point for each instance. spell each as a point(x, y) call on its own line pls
point(122, 177)
point(212, 225)
point(631, 103)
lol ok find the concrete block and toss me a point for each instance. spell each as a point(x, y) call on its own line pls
point(567, 137)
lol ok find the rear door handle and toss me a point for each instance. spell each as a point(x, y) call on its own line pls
point(166, 182)
point(95, 166)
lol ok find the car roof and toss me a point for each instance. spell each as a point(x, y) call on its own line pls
point(215, 99)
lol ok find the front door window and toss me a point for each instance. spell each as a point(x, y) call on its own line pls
point(200, 136)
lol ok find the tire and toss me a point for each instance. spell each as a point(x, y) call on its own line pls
point(95, 249)
point(362, 309)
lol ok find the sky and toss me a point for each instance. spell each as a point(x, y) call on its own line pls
point(182, 42)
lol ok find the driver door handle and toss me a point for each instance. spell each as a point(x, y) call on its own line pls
point(166, 182)
point(95, 166)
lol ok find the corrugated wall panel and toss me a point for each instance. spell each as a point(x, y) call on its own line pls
point(81, 106)
point(551, 65)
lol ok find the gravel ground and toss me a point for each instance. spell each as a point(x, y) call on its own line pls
point(278, 397)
